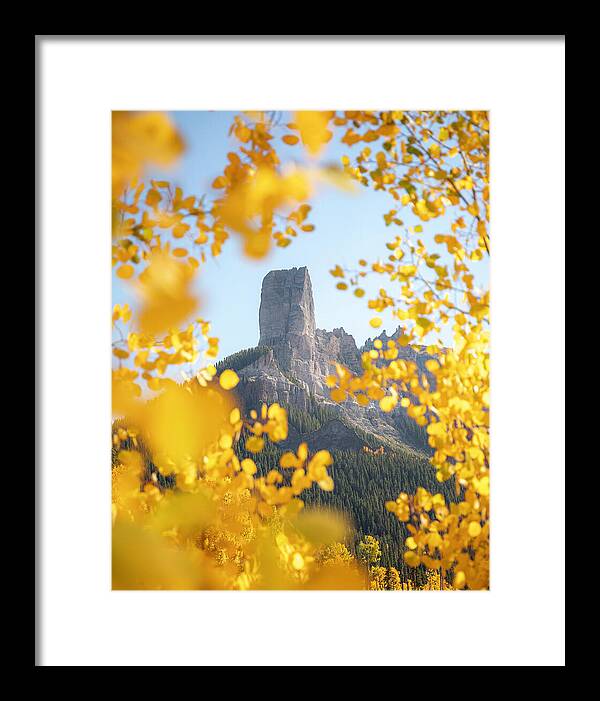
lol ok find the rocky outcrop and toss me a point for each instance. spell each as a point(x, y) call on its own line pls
point(286, 306)
point(302, 354)
point(296, 359)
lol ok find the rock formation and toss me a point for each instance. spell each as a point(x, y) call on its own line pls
point(292, 360)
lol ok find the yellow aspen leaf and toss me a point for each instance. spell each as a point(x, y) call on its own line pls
point(434, 541)
point(376, 322)
point(387, 403)
point(126, 313)
point(255, 444)
point(248, 466)
point(225, 441)
point(125, 271)
point(313, 129)
point(243, 133)
point(459, 580)
point(407, 270)
point(411, 558)
point(362, 399)
point(220, 182)
point(338, 395)
point(351, 137)
point(228, 379)
point(153, 197)
point(179, 230)
point(376, 393)
point(289, 460)
point(154, 383)
point(473, 209)
point(483, 486)
point(477, 454)
point(303, 451)
point(389, 130)
point(290, 139)
point(180, 252)
point(436, 428)
point(474, 529)
point(326, 484)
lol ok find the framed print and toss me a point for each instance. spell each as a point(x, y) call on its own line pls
point(285, 297)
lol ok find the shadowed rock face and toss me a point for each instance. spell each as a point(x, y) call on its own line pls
point(299, 357)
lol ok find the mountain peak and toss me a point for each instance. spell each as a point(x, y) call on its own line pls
point(286, 305)
point(292, 364)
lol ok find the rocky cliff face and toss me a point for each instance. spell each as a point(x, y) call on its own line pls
point(286, 309)
point(294, 360)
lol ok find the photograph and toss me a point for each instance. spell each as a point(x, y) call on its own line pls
point(300, 350)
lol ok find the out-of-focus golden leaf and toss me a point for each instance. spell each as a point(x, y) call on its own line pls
point(140, 139)
point(388, 403)
point(255, 444)
point(313, 129)
point(125, 271)
point(142, 559)
point(165, 289)
point(183, 421)
point(228, 379)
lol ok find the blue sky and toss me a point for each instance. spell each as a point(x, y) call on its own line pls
point(348, 226)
